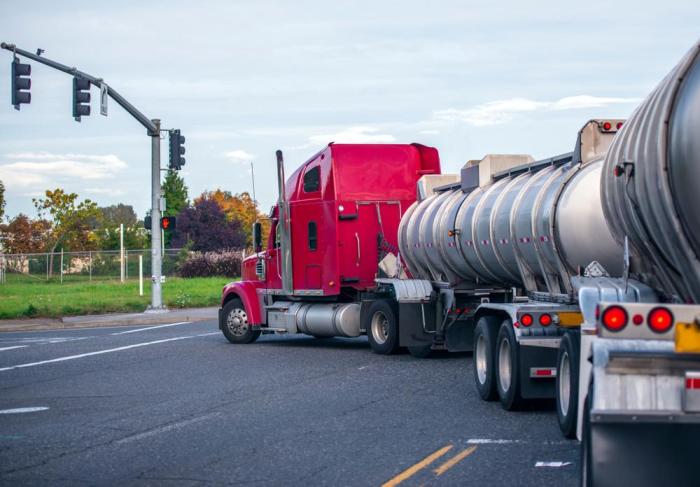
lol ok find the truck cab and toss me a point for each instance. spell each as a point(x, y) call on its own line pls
point(337, 217)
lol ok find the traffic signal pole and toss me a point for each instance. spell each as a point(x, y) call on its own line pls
point(153, 130)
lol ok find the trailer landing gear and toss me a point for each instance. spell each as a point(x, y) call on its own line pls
point(235, 325)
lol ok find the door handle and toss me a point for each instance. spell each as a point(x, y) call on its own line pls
point(357, 238)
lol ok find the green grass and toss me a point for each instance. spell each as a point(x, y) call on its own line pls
point(26, 297)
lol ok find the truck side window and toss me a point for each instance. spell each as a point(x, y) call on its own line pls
point(313, 236)
point(277, 235)
point(312, 180)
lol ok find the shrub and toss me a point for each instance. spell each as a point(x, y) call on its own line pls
point(225, 263)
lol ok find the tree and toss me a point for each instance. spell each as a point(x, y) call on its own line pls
point(23, 235)
point(204, 227)
point(71, 222)
point(176, 199)
point(2, 201)
point(108, 234)
point(239, 207)
point(175, 193)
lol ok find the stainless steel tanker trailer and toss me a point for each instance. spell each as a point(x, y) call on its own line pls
point(576, 278)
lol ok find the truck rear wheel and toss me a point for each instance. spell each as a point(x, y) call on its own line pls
point(235, 326)
point(507, 368)
point(586, 451)
point(567, 383)
point(382, 328)
point(483, 357)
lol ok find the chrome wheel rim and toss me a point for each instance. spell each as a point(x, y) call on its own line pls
point(237, 322)
point(504, 366)
point(481, 359)
point(564, 383)
point(380, 328)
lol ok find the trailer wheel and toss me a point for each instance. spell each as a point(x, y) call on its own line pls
point(382, 328)
point(567, 383)
point(507, 368)
point(483, 357)
point(235, 326)
point(586, 450)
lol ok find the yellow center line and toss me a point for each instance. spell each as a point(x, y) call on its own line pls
point(454, 460)
point(410, 471)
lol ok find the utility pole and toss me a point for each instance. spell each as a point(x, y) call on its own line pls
point(153, 131)
point(156, 249)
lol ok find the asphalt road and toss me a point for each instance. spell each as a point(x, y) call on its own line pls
point(180, 405)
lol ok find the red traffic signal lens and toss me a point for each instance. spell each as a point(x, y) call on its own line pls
point(167, 223)
point(660, 320)
point(614, 318)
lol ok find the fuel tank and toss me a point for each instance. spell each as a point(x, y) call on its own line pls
point(651, 184)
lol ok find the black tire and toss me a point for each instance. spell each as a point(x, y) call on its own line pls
point(483, 357)
point(567, 383)
point(235, 324)
point(507, 361)
point(586, 450)
point(421, 351)
point(382, 328)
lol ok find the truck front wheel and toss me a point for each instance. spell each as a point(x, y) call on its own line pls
point(235, 324)
point(567, 383)
point(507, 368)
point(382, 328)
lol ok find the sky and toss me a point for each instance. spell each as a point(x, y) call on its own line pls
point(243, 79)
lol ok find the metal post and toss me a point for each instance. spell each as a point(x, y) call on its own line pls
point(121, 252)
point(90, 266)
point(61, 265)
point(140, 275)
point(47, 267)
point(156, 257)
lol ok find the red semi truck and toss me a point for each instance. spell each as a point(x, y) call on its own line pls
point(319, 272)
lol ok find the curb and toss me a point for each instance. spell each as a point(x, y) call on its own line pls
point(109, 320)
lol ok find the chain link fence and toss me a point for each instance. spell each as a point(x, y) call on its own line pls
point(104, 265)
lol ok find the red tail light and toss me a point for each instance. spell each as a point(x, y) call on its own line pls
point(660, 320)
point(638, 319)
point(619, 125)
point(545, 319)
point(614, 318)
point(607, 126)
point(526, 320)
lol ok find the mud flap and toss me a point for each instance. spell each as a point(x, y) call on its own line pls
point(412, 332)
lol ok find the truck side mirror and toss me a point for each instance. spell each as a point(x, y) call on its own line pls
point(257, 236)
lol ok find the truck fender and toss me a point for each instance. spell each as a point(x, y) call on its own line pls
point(246, 291)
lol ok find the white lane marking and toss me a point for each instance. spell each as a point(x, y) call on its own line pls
point(100, 352)
point(167, 428)
point(23, 410)
point(552, 464)
point(487, 441)
point(363, 367)
point(150, 328)
point(12, 348)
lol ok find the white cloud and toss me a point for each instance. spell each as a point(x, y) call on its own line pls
point(34, 168)
point(105, 191)
point(239, 155)
point(353, 135)
point(503, 111)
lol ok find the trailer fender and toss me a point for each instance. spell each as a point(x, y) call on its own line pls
point(247, 292)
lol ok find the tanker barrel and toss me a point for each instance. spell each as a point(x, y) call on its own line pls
point(651, 183)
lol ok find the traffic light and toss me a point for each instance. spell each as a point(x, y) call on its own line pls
point(147, 222)
point(177, 150)
point(21, 83)
point(81, 98)
point(167, 223)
